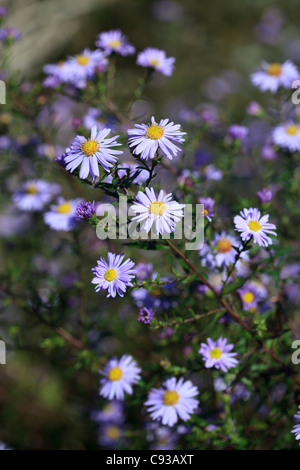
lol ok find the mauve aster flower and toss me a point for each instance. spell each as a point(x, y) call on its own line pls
point(268, 152)
point(147, 140)
point(296, 428)
point(287, 136)
point(254, 108)
point(223, 249)
point(118, 377)
point(110, 435)
point(249, 296)
point(274, 75)
point(33, 195)
point(113, 411)
point(208, 203)
point(3, 11)
point(10, 33)
point(217, 354)
point(160, 211)
point(90, 152)
point(265, 195)
point(143, 270)
point(237, 132)
point(84, 65)
point(176, 399)
point(156, 59)
point(212, 173)
point(86, 210)
point(114, 41)
point(146, 315)
point(62, 216)
point(113, 275)
point(250, 223)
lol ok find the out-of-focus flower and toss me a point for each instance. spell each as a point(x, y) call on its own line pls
point(250, 223)
point(84, 65)
point(272, 76)
point(90, 152)
point(237, 132)
point(115, 41)
point(287, 136)
point(3, 11)
point(157, 60)
point(174, 400)
point(254, 108)
point(113, 275)
point(147, 140)
point(33, 195)
point(217, 354)
point(143, 271)
point(95, 117)
point(296, 428)
point(268, 153)
point(10, 34)
point(208, 203)
point(118, 377)
point(110, 435)
point(113, 411)
point(249, 296)
point(160, 211)
point(86, 210)
point(146, 315)
point(62, 216)
point(223, 246)
point(212, 173)
point(265, 195)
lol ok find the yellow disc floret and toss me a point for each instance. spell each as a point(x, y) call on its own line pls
point(274, 70)
point(224, 245)
point(83, 60)
point(292, 130)
point(215, 353)
point(31, 189)
point(170, 398)
point(115, 374)
point(64, 208)
point(113, 432)
point(110, 275)
point(155, 132)
point(90, 147)
point(157, 208)
point(248, 297)
point(116, 43)
point(254, 225)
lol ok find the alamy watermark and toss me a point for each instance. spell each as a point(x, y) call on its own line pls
point(2, 92)
point(2, 353)
point(115, 224)
point(296, 354)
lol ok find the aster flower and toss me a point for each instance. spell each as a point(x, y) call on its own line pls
point(146, 315)
point(217, 354)
point(114, 41)
point(212, 173)
point(62, 216)
point(118, 377)
point(296, 428)
point(274, 75)
point(85, 65)
point(147, 140)
point(157, 60)
point(174, 400)
point(10, 34)
point(249, 296)
point(223, 247)
point(62, 72)
point(113, 275)
point(86, 210)
point(33, 195)
point(208, 203)
point(250, 223)
point(143, 270)
point(287, 136)
point(90, 152)
point(95, 117)
point(237, 132)
point(265, 195)
point(110, 435)
point(160, 211)
point(113, 411)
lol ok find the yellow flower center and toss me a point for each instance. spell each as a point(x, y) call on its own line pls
point(215, 353)
point(254, 225)
point(64, 208)
point(170, 398)
point(205, 212)
point(113, 432)
point(274, 70)
point(154, 62)
point(155, 132)
point(110, 275)
point(292, 129)
point(224, 245)
point(115, 374)
point(157, 208)
point(116, 43)
point(248, 297)
point(6, 118)
point(83, 60)
point(31, 189)
point(90, 147)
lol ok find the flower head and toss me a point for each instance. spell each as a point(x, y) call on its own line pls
point(118, 377)
point(85, 64)
point(287, 136)
point(217, 354)
point(174, 400)
point(265, 195)
point(296, 428)
point(34, 194)
point(274, 75)
point(62, 216)
point(237, 132)
point(249, 296)
point(114, 41)
point(223, 248)
point(208, 203)
point(90, 152)
point(146, 315)
point(250, 223)
point(146, 140)
point(86, 210)
point(160, 211)
point(157, 60)
point(113, 275)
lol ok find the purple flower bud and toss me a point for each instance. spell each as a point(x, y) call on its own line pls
point(253, 108)
point(3, 11)
point(146, 315)
point(265, 195)
point(268, 153)
point(86, 210)
point(238, 132)
point(10, 33)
